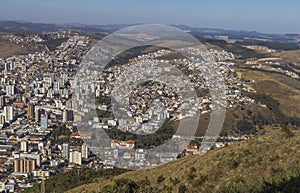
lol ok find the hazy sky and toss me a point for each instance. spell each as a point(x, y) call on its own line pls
point(256, 15)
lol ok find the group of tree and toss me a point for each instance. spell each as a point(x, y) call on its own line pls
point(65, 181)
point(273, 105)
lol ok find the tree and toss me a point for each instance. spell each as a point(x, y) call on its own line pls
point(160, 179)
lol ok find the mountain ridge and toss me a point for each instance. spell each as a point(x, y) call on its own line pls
point(11, 26)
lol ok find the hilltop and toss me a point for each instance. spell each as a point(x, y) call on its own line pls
point(267, 163)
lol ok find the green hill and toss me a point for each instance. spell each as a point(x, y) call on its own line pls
point(267, 163)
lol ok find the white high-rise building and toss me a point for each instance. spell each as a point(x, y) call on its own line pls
point(11, 90)
point(2, 101)
point(44, 122)
point(24, 146)
point(75, 157)
point(65, 150)
point(2, 120)
point(8, 113)
point(85, 151)
point(65, 116)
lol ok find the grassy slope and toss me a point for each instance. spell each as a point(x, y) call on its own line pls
point(292, 56)
point(233, 116)
point(8, 49)
point(282, 88)
point(249, 166)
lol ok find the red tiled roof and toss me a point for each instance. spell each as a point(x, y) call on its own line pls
point(115, 141)
point(79, 134)
point(130, 142)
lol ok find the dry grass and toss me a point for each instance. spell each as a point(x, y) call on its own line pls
point(282, 88)
point(8, 49)
point(234, 115)
point(211, 46)
point(245, 166)
point(289, 56)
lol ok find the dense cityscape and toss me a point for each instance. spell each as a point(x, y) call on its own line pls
point(36, 105)
point(55, 123)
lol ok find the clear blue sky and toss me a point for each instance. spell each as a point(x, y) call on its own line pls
point(260, 15)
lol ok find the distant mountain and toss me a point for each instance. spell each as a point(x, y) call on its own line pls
point(16, 26)
point(241, 35)
point(22, 26)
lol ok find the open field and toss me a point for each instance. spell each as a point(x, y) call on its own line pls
point(289, 56)
point(8, 49)
point(282, 88)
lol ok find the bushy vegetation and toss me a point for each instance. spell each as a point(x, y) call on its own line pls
point(60, 135)
point(52, 44)
point(66, 181)
point(273, 105)
point(285, 186)
point(246, 127)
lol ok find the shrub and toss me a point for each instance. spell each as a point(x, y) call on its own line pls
point(160, 179)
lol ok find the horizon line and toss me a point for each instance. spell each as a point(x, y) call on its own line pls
point(131, 24)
